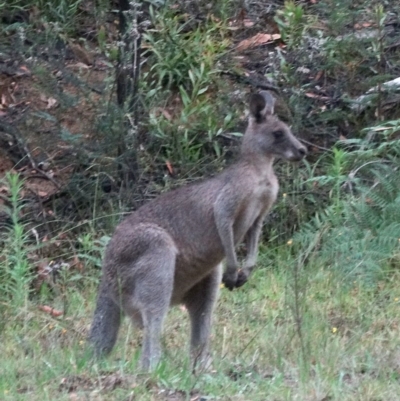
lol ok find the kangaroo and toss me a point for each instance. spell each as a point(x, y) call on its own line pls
point(170, 250)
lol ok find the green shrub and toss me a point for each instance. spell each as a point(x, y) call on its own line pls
point(359, 232)
point(15, 269)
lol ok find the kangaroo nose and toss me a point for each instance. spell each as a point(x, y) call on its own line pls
point(302, 151)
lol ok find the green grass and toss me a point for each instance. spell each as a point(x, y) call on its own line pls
point(350, 338)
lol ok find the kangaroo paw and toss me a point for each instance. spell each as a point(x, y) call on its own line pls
point(230, 279)
point(242, 278)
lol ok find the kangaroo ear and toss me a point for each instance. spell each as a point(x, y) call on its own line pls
point(261, 105)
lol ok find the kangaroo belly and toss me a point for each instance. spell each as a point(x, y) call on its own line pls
point(191, 269)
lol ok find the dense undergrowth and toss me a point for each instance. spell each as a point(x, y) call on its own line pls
point(318, 321)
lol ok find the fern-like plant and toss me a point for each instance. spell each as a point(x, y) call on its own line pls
point(359, 233)
point(15, 271)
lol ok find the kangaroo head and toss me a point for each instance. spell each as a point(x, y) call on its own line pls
point(268, 135)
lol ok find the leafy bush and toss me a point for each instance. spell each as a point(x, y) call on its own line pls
point(359, 233)
point(61, 16)
point(292, 23)
point(175, 48)
point(15, 272)
point(183, 71)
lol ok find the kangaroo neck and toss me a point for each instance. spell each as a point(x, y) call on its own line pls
point(263, 161)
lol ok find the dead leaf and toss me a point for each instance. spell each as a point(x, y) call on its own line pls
point(51, 311)
point(166, 114)
point(24, 68)
point(51, 102)
point(363, 25)
point(246, 23)
point(81, 65)
point(257, 40)
point(242, 14)
point(159, 110)
point(77, 263)
point(319, 75)
point(315, 96)
point(169, 167)
point(81, 54)
point(22, 71)
point(311, 95)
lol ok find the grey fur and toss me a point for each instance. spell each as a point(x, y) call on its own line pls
point(170, 250)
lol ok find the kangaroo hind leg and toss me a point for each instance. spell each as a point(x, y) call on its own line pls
point(200, 302)
point(149, 300)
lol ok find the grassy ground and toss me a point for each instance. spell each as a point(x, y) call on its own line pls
point(350, 348)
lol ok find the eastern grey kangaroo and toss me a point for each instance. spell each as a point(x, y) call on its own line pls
point(170, 251)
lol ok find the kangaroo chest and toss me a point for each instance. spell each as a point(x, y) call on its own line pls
point(255, 205)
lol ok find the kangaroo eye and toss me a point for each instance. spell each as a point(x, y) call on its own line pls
point(278, 134)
